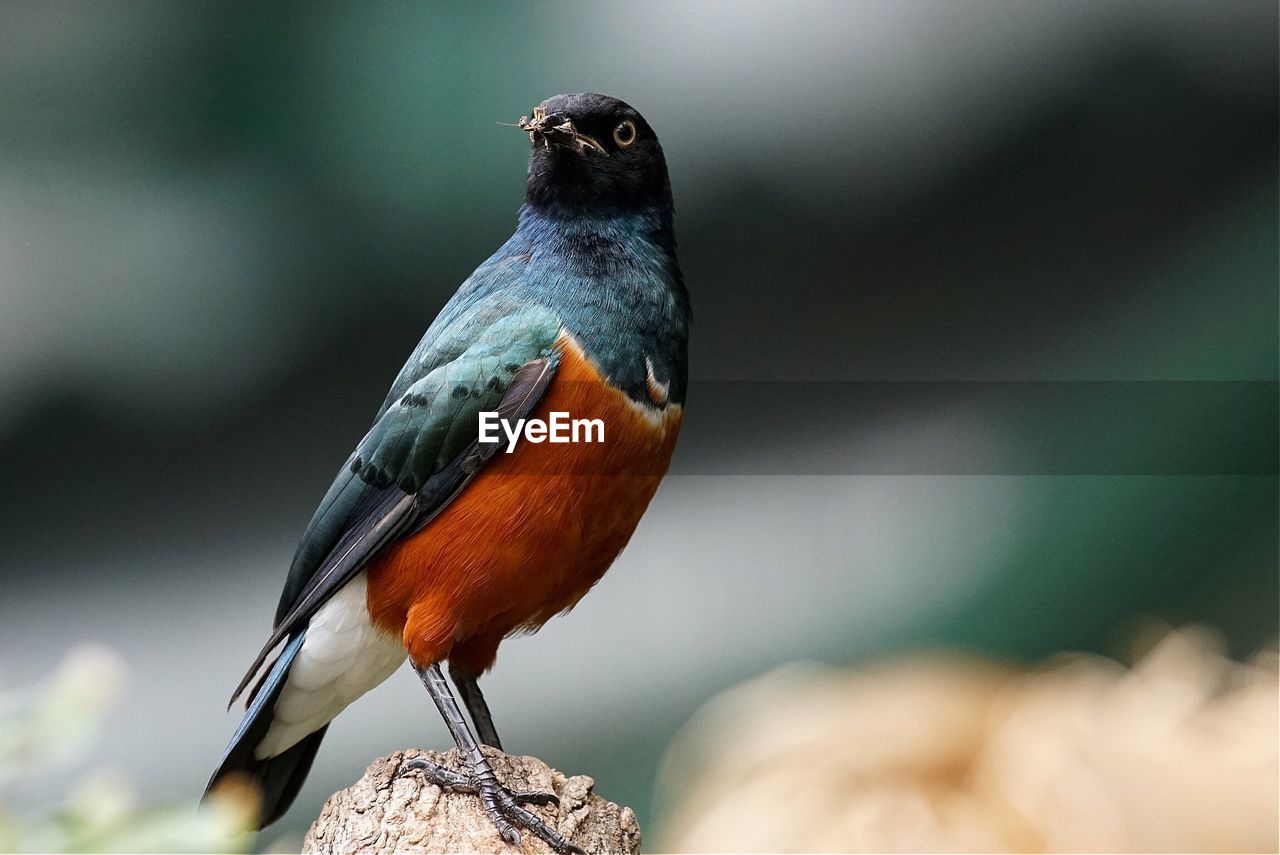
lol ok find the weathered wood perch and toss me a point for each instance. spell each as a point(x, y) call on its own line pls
point(387, 811)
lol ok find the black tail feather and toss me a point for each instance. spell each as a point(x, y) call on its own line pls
point(278, 778)
point(281, 777)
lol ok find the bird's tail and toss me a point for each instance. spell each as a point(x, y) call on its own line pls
point(277, 779)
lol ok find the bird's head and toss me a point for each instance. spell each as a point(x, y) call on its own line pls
point(593, 153)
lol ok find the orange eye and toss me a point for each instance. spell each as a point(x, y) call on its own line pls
point(625, 133)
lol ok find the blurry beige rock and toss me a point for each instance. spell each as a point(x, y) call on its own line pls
point(952, 754)
point(386, 811)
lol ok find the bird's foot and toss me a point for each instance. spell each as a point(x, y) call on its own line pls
point(460, 782)
point(504, 806)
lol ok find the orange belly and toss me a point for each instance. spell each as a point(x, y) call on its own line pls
point(532, 533)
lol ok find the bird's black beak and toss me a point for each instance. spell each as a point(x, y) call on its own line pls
point(557, 129)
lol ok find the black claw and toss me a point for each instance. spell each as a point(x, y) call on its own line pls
point(540, 828)
point(442, 777)
point(536, 797)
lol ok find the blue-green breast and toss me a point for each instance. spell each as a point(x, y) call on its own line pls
point(614, 282)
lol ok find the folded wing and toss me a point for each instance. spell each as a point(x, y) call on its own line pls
point(420, 453)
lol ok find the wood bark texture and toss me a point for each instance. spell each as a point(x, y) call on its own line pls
point(389, 810)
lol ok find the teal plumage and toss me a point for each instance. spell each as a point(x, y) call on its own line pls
point(613, 280)
point(426, 422)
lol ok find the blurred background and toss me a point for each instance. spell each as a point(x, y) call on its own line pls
point(984, 358)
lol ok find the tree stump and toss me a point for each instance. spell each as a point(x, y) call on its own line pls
point(392, 811)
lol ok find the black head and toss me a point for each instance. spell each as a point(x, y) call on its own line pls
point(592, 153)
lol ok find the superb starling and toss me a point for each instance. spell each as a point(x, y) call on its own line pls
point(431, 542)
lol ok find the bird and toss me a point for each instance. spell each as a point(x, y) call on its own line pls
point(433, 546)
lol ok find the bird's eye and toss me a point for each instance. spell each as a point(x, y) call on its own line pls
point(625, 133)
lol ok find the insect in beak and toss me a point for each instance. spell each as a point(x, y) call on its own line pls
point(557, 129)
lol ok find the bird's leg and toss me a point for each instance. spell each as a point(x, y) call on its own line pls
point(503, 806)
point(461, 782)
point(469, 688)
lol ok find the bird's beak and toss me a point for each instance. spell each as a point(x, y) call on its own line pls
point(557, 129)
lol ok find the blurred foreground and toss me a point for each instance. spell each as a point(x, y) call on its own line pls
point(50, 731)
point(944, 754)
point(930, 754)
